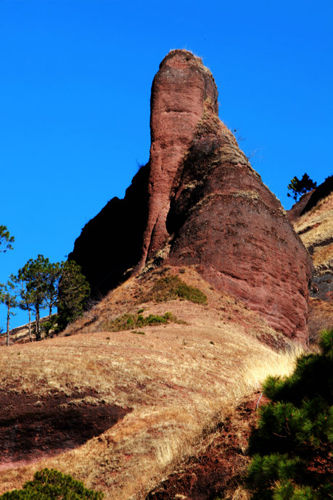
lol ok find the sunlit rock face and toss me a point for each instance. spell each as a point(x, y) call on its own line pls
point(179, 92)
point(199, 202)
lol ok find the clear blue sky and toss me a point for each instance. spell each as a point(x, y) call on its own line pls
point(75, 78)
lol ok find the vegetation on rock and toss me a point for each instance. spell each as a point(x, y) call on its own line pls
point(292, 446)
point(50, 484)
point(172, 287)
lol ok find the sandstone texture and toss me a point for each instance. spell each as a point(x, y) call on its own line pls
point(179, 91)
point(198, 202)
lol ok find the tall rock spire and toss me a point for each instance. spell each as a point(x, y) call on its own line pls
point(179, 91)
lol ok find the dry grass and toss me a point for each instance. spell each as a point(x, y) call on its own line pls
point(177, 380)
point(316, 227)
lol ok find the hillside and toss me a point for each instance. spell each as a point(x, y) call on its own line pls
point(312, 217)
point(141, 399)
point(201, 290)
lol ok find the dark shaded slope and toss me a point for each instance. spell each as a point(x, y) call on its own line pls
point(111, 242)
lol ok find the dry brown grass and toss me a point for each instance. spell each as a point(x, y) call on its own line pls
point(316, 227)
point(177, 380)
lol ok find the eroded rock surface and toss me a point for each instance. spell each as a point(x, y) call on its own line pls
point(199, 202)
point(179, 91)
point(228, 222)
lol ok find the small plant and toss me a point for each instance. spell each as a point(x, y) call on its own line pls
point(292, 445)
point(50, 484)
point(172, 287)
point(132, 321)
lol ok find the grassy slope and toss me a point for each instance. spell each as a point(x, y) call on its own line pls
point(316, 227)
point(178, 379)
point(316, 231)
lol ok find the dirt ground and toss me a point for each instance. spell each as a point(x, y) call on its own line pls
point(218, 468)
point(34, 427)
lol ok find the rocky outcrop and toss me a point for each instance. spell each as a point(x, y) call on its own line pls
point(179, 91)
point(225, 220)
point(312, 217)
point(199, 202)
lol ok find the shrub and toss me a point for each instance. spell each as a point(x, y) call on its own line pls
point(49, 484)
point(131, 321)
point(172, 287)
point(293, 441)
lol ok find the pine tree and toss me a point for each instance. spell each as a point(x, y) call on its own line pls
point(298, 187)
point(25, 298)
point(8, 297)
point(292, 446)
point(74, 291)
point(6, 239)
point(35, 275)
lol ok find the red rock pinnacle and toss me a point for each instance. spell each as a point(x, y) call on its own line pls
point(179, 91)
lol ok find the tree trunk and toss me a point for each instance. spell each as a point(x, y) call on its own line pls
point(30, 339)
point(37, 324)
point(8, 318)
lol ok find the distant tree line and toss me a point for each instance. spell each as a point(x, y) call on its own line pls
point(41, 284)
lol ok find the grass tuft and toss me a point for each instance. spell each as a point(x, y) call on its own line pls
point(172, 287)
point(132, 321)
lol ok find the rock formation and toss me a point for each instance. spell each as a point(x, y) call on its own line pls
point(199, 202)
point(312, 217)
point(179, 91)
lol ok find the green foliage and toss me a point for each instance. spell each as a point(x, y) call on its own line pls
point(38, 286)
point(6, 239)
point(293, 441)
point(50, 325)
point(131, 321)
point(298, 187)
point(74, 291)
point(7, 294)
point(49, 484)
point(9, 298)
point(172, 287)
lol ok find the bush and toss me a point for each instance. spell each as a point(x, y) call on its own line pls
point(293, 441)
point(130, 321)
point(172, 287)
point(49, 484)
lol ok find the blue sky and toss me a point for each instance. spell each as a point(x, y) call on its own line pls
point(75, 79)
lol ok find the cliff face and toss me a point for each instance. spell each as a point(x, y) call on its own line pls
point(199, 202)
